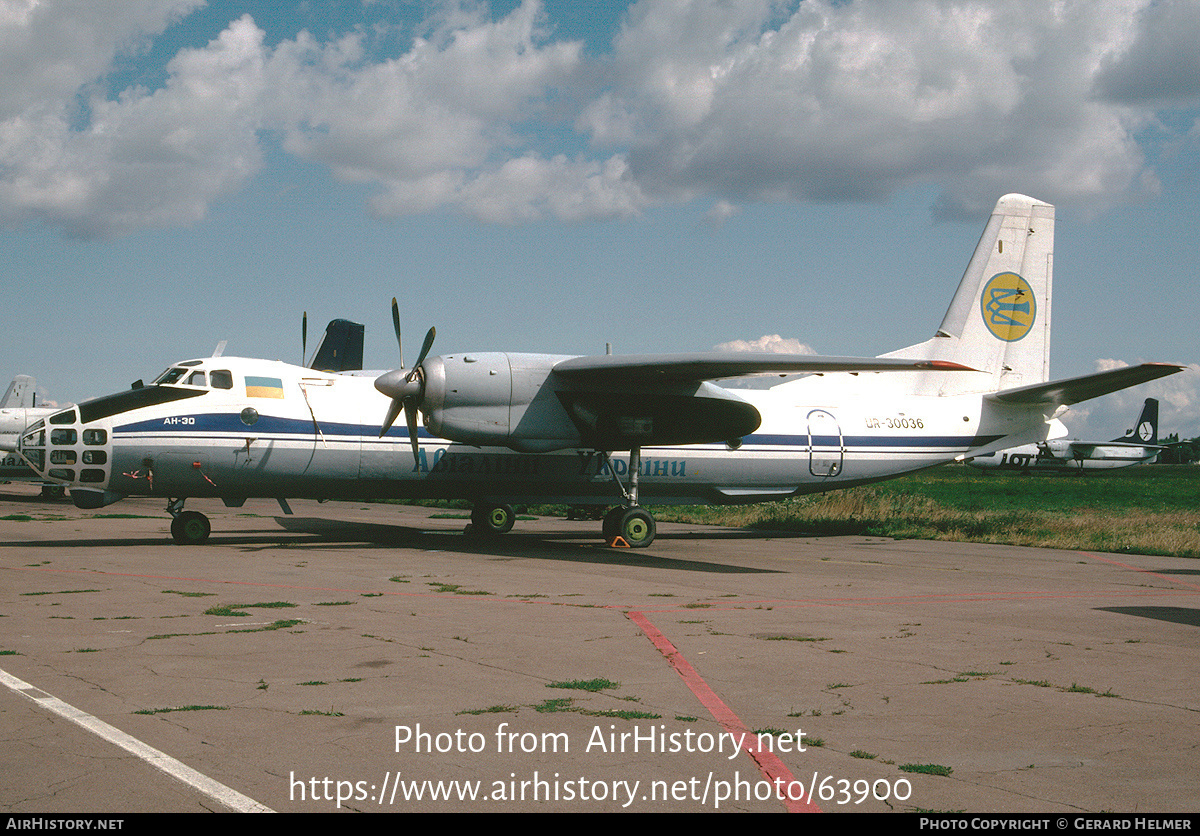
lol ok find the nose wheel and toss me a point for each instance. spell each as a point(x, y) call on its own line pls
point(188, 528)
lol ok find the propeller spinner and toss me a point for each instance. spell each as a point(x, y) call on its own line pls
point(405, 388)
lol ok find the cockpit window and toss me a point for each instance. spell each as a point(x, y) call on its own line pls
point(221, 379)
point(197, 379)
point(99, 408)
point(171, 375)
point(64, 417)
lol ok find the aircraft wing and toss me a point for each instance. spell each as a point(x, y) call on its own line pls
point(712, 365)
point(1077, 389)
point(620, 401)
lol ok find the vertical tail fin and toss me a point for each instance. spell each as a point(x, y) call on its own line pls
point(21, 394)
point(341, 349)
point(999, 320)
point(1145, 431)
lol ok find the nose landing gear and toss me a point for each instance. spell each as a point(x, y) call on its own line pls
point(188, 528)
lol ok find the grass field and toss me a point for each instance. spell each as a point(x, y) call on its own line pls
point(1144, 510)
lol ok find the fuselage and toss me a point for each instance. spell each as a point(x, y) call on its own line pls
point(1063, 455)
point(235, 428)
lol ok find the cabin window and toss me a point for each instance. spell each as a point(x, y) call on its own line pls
point(222, 379)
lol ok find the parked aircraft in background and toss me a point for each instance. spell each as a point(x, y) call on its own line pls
point(1138, 445)
point(502, 428)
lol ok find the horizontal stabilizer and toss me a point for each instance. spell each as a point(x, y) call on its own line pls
point(712, 365)
point(1076, 389)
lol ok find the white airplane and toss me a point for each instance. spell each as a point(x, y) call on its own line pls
point(1139, 444)
point(504, 428)
point(17, 409)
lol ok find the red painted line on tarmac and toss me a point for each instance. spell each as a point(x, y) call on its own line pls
point(769, 765)
point(1166, 578)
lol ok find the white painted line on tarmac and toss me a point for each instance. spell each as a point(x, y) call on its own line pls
point(213, 789)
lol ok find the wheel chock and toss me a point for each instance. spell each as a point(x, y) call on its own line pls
point(618, 542)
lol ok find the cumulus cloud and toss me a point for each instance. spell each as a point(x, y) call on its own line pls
point(1110, 416)
point(855, 100)
point(503, 120)
point(768, 342)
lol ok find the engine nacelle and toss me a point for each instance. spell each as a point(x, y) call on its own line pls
point(517, 401)
point(496, 398)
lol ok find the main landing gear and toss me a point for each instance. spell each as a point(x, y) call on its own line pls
point(626, 526)
point(629, 525)
point(188, 528)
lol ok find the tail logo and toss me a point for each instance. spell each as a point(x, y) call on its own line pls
point(1008, 307)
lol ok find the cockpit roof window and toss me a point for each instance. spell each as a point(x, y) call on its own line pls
point(108, 405)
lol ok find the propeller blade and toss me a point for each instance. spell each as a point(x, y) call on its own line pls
point(303, 337)
point(392, 414)
point(396, 326)
point(428, 344)
point(410, 411)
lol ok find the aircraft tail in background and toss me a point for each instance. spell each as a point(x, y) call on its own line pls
point(1145, 431)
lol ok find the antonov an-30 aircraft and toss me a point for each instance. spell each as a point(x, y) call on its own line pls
point(504, 428)
point(1138, 445)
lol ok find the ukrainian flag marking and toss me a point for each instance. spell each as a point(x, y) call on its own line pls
point(264, 387)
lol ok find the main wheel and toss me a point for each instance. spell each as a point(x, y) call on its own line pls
point(492, 519)
point(636, 527)
point(611, 526)
point(190, 528)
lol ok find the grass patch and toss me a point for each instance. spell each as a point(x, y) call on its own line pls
point(188, 594)
point(234, 610)
point(1144, 510)
point(17, 518)
point(859, 753)
point(623, 714)
point(555, 705)
point(585, 684)
point(491, 709)
point(282, 624)
point(456, 589)
point(183, 708)
point(926, 768)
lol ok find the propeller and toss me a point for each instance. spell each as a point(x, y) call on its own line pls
point(303, 337)
point(406, 389)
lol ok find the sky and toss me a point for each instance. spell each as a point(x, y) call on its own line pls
point(662, 175)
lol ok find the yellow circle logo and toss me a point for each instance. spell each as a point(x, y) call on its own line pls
point(1008, 306)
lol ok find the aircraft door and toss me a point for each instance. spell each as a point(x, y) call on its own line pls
point(826, 447)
